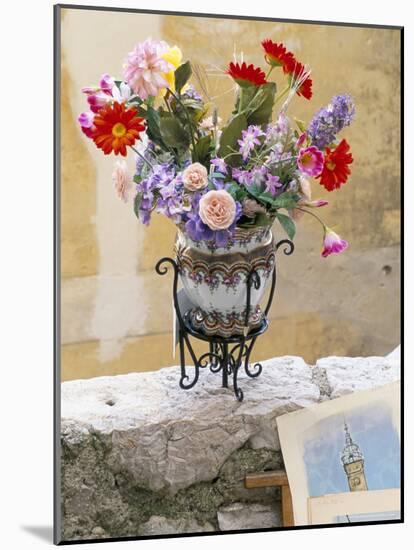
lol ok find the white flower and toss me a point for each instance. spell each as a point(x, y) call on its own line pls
point(121, 94)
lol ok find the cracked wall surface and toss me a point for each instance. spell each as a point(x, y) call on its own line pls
point(140, 456)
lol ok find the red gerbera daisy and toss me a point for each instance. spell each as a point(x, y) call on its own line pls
point(298, 73)
point(335, 169)
point(116, 128)
point(246, 75)
point(276, 54)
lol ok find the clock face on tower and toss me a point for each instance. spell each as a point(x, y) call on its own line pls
point(353, 463)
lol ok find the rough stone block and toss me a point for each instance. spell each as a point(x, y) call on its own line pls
point(142, 456)
point(351, 374)
point(249, 516)
point(159, 525)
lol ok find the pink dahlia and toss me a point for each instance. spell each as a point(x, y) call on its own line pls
point(332, 243)
point(145, 69)
point(310, 161)
point(121, 180)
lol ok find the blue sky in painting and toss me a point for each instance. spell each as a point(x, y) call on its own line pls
point(372, 429)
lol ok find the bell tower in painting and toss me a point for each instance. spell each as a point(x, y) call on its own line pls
point(353, 463)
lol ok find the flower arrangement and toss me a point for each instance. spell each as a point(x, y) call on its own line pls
point(208, 177)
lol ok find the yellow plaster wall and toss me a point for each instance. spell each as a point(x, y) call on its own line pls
point(116, 312)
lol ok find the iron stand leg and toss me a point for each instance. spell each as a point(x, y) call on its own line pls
point(220, 356)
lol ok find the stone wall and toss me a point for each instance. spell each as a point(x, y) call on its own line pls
point(142, 457)
point(111, 295)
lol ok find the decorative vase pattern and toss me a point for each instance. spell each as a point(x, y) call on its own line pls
point(215, 279)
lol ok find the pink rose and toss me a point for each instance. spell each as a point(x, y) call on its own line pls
point(121, 180)
point(195, 177)
point(217, 209)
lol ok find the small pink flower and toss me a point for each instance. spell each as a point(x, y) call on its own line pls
point(314, 204)
point(145, 69)
point(90, 90)
point(86, 123)
point(98, 100)
point(121, 180)
point(217, 209)
point(106, 83)
point(195, 177)
point(310, 161)
point(86, 119)
point(332, 243)
point(301, 140)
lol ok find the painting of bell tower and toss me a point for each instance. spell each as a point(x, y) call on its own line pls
point(353, 463)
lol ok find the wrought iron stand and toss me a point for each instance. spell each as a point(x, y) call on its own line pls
point(225, 355)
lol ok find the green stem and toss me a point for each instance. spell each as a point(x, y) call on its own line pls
point(269, 71)
point(282, 93)
point(167, 104)
point(315, 216)
point(240, 101)
point(142, 156)
point(187, 116)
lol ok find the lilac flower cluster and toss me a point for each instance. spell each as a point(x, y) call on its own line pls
point(276, 133)
point(191, 93)
point(260, 177)
point(161, 191)
point(250, 138)
point(330, 120)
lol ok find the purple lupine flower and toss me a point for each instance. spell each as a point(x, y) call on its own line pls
point(250, 138)
point(273, 184)
point(330, 120)
point(220, 165)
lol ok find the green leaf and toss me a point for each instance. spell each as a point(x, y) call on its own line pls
point(173, 133)
point(137, 203)
point(254, 191)
point(262, 219)
point(288, 225)
point(260, 111)
point(286, 200)
point(217, 175)
point(202, 149)
point(182, 76)
point(228, 140)
point(300, 124)
point(246, 222)
point(266, 197)
point(245, 97)
point(237, 191)
point(152, 118)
